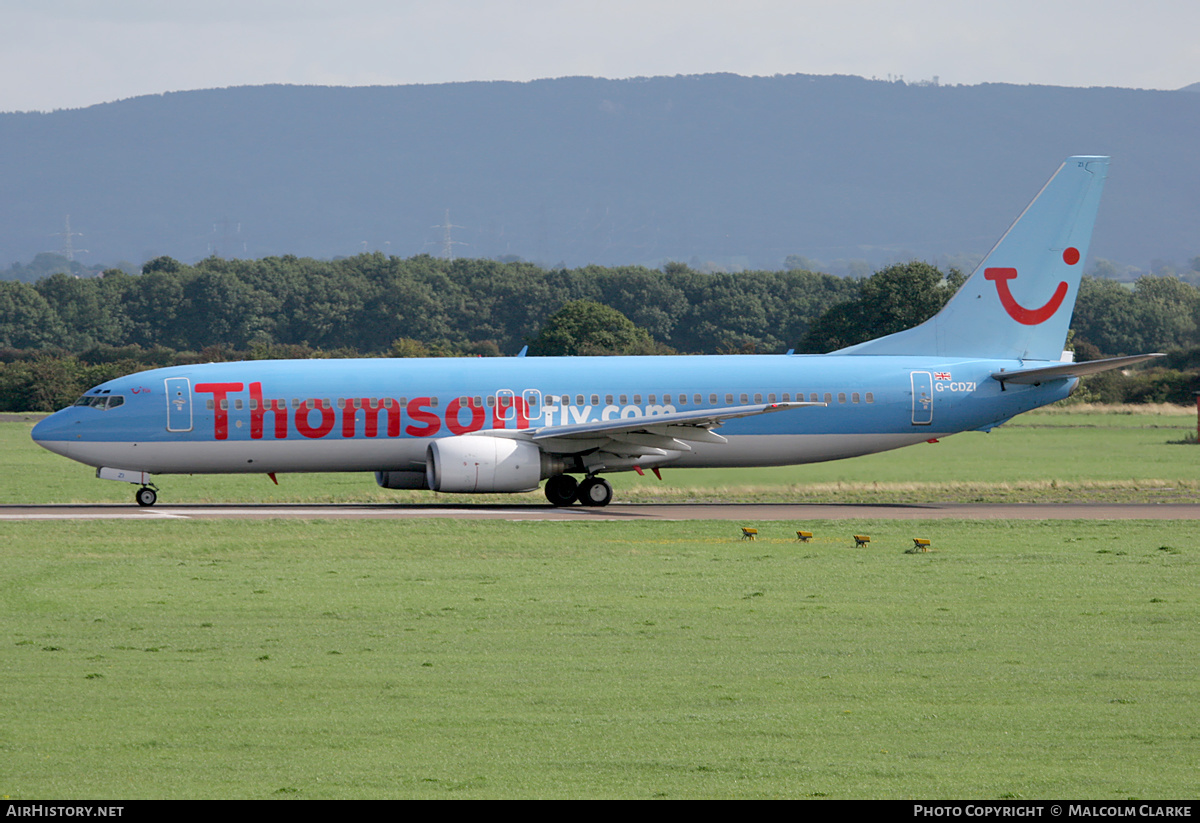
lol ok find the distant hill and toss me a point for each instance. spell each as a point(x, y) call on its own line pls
point(743, 171)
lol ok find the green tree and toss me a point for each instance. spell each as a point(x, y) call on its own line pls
point(88, 317)
point(27, 320)
point(891, 300)
point(1167, 311)
point(584, 327)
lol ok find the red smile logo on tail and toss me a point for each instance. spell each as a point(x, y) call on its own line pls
point(1029, 317)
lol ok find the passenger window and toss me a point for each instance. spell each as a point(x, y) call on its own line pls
point(237, 404)
point(637, 400)
point(870, 397)
point(729, 398)
point(828, 397)
point(812, 398)
point(854, 397)
point(696, 399)
point(596, 400)
point(745, 398)
point(579, 400)
point(624, 401)
point(608, 400)
point(787, 397)
point(841, 397)
point(770, 398)
point(758, 398)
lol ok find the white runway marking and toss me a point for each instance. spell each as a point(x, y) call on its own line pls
point(644, 512)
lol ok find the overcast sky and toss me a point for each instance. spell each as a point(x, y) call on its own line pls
point(73, 53)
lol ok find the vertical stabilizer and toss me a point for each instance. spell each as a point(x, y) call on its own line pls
point(1018, 303)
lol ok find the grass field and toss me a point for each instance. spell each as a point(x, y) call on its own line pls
point(321, 659)
point(1096, 454)
point(475, 659)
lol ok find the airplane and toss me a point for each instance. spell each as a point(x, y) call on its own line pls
point(490, 425)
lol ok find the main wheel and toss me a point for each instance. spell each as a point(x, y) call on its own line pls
point(145, 496)
point(595, 491)
point(560, 489)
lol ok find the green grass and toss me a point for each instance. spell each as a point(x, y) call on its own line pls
point(293, 659)
point(480, 659)
point(1092, 453)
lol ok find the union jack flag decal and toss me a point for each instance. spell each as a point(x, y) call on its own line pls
point(941, 375)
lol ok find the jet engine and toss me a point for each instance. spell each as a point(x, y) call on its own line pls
point(483, 464)
point(401, 480)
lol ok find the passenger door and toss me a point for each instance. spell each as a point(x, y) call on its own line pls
point(179, 404)
point(922, 398)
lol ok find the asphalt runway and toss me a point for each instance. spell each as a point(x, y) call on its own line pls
point(746, 513)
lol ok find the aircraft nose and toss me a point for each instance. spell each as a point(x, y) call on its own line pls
point(54, 433)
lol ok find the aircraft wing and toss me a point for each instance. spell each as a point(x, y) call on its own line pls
point(649, 436)
point(1043, 373)
point(649, 439)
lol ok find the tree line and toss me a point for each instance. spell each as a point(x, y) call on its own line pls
point(366, 303)
point(63, 333)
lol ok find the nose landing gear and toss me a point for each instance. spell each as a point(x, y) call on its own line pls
point(147, 495)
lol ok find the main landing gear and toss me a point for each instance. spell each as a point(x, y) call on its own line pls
point(563, 490)
point(145, 496)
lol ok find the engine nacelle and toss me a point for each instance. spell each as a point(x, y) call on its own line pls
point(401, 480)
point(474, 464)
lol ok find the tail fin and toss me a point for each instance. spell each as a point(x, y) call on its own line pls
point(1018, 303)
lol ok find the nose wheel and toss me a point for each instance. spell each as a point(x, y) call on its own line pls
point(145, 496)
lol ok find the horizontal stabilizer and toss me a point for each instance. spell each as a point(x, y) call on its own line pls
point(1044, 373)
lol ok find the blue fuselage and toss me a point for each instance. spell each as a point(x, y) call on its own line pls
point(381, 414)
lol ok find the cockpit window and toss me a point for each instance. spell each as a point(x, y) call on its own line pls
point(101, 402)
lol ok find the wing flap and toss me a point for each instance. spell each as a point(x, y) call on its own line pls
point(658, 438)
point(687, 425)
